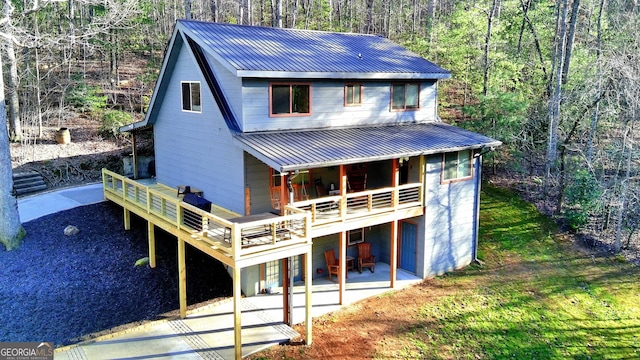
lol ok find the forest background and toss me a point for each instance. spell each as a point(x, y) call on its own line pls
point(557, 81)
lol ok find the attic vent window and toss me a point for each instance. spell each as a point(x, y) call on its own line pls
point(191, 100)
point(289, 99)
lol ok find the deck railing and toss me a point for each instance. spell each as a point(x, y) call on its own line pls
point(335, 208)
point(217, 227)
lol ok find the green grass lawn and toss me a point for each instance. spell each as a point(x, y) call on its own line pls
point(537, 296)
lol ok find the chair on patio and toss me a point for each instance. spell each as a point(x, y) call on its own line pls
point(333, 266)
point(276, 202)
point(365, 259)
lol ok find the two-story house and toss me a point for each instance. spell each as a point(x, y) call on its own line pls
point(305, 141)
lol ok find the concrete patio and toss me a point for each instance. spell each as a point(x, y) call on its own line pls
point(207, 332)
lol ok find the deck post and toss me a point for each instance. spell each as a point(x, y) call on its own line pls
point(127, 218)
point(308, 291)
point(343, 192)
point(152, 244)
point(343, 265)
point(393, 261)
point(237, 313)
point(285, 291)
point(182, 279)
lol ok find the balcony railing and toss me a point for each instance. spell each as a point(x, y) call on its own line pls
point(221, 229)
point(331, 209)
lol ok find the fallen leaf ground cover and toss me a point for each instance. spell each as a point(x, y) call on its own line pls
point(537, 294)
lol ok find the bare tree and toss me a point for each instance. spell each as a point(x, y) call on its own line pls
point(11, 231)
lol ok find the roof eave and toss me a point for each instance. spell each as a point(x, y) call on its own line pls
point(351, 161)
point(341, 75)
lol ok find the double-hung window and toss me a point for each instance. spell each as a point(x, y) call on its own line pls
point(191, 100)
point(352, 94)
point(289, 99)
point(457, 166)
point(405, 96)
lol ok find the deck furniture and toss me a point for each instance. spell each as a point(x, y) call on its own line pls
point(333, 265)
point(365, 258)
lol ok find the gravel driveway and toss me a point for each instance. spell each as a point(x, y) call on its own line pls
point(69, 288)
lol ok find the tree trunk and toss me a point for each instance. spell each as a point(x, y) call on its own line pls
point(487, 40)
point(370, 27)
point(15, 128)
point(575, 8)
point(622, 201)
point(11, 231)
point(556, 94)
point(187, 9)
point(278, 13)
point(595, 114)
point(214, 10)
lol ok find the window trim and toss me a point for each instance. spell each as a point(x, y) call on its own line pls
point(291, 113)
point(191, 103)
point(443, 180)
point(346, 86)
point(404, 108)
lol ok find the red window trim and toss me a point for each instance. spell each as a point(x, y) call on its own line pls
point(405, 102)
point(359, 103)
point(271, 84)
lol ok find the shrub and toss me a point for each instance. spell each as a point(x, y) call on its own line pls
point(582, 198)
point(112, 120)
point(86, 98)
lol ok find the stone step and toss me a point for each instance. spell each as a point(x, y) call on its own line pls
point(28, 182)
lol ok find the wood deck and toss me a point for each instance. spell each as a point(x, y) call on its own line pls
point(220, 233)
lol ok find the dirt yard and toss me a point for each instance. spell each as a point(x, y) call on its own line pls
point(78, 162)
point(371, 328)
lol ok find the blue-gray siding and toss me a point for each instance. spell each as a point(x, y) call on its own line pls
point(447, 224)
point(327, 107)
point(196, 148)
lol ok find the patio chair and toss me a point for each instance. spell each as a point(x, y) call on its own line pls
point(333, 266)
point(276, 202)
point(365, 259)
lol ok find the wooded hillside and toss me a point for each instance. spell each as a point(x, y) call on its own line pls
point(556, 81)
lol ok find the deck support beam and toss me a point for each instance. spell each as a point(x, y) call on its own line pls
point(286, 306)
point(152, 244)
point(342, 260)
point(237, 313)
point(182, 278)
point(393, 261)
point(127, 219)
point(308, 282)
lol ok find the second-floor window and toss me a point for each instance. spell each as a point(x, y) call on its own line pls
point(457, 166)
point(191, 100)
point(405, 96)
point(290, 99)
point(352, 94)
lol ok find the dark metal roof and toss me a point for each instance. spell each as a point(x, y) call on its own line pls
point(297, 150)
point(253, 51)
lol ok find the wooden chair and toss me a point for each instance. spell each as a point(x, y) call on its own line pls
point(276, 203)
point(365, 259)
point(333, 266)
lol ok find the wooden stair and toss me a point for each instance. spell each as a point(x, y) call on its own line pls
point(28, 182)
